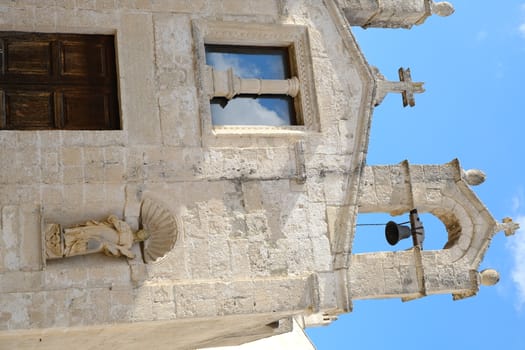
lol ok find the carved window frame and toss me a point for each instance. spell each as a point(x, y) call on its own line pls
point(294, 37)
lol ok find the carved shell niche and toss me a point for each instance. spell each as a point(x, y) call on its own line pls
point(162, 226)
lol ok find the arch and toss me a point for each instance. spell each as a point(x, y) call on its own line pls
point(441, 190)
point(437, 189)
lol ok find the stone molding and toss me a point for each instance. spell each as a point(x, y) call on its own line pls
point(256, 34)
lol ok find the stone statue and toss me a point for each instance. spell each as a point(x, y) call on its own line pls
point(114, 237)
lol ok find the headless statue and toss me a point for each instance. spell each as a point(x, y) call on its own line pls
point(113, 237)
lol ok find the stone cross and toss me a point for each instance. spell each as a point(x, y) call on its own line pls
point(409, 87)
point(508, 226)
point(405, 86)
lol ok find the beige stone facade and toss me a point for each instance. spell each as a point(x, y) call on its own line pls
point(265, 215)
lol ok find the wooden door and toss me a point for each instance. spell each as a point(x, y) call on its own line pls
point(58, 81)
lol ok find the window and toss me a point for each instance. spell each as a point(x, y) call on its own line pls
point(254, 78)
point(249, 63)
point(57, 81)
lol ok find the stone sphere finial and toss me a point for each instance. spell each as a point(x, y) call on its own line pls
point(474, 177)
point(442, 8)
point(489, 277)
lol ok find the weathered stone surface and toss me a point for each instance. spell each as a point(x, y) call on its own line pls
point(267, 215)
point(392, 13)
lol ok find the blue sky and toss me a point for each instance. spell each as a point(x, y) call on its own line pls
point(473, 66)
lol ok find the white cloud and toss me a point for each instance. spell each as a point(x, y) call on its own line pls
point(481, 35)
point(276, 69)
point(245, 111)
point(517, 248)
point(522, 29)
point(499, 71)
point(224, 61)
point(518, 200)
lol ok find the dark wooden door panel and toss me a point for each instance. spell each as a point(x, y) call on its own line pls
point(23, 109)
point(58, 81)
point(83, 60)
point(24, 59)
point(87, 110)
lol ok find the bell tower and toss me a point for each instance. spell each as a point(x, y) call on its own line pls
point(444, 191)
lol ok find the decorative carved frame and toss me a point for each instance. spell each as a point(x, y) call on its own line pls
point(250, 34)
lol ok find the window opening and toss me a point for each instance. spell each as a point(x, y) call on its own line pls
point(58, 81)
point(248, 62)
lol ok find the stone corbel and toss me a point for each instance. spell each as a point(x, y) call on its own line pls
point(227, 84)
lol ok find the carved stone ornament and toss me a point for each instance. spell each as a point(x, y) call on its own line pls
point(443, 8)
point(162, 227)
point(474, 177)
point(392, 13)
point(405, 86)
point(489, 277)
point(114, 237)
point(508, 226)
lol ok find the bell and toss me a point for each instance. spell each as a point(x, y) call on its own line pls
point(394, 232)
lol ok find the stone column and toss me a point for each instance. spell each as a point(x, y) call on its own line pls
point(227, 84)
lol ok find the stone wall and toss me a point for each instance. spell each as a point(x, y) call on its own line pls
point(253, 233)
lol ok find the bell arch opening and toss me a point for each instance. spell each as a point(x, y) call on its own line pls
point(452, 226)
point(441, 231)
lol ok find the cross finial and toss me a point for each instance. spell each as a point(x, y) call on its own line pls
point(409, 87)
point(405, 86)
point(508, 226)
